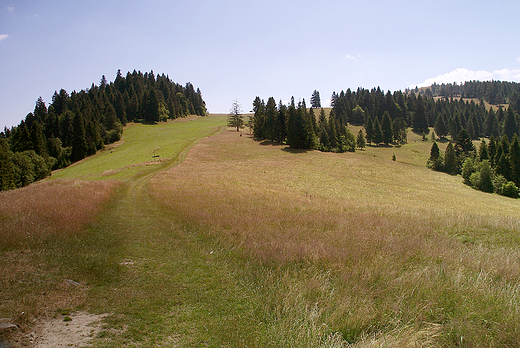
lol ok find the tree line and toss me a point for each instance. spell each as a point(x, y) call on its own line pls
point(494, 92)
point(495, 167)
point(78, 124)
point(299, 127)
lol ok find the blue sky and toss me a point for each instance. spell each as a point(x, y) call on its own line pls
point(241, 49)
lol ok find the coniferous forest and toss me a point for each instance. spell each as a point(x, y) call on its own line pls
point(457, 114)
point(77, 125)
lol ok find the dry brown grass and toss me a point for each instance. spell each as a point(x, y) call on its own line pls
point(386, 251)
point(29, 214)
point(31, 220)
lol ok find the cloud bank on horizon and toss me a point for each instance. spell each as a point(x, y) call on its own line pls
point(461, 75)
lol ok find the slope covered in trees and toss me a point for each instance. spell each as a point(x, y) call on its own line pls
point(385, 117)
point(76, 125)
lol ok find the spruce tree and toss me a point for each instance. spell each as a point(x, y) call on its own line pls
point(360, 140)
point(7, 174)
point(440, 127)
point(450, 160)
point(386, 127)
point(420, 122)
point(79, 142)
point(483, 151)
point(378, 132)
point(514, 160)
point(315, 99)
point(510, 126)
point(235, 118)
point(369, 129)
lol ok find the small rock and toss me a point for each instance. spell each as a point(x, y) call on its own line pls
point(71, 282)
point(8, 326)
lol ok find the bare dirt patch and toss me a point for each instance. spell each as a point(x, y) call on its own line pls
point(61, 332)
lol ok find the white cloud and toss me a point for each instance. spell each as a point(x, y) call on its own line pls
point(349, 57)
point(10, 8)
point(460, 75)
point(3, 36)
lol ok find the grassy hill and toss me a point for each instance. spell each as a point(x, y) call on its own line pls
point(252, 244)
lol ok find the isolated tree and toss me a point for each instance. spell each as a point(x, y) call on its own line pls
point(235, 118)
point(435, 162)
point(360, 140)
point(315, 99)
point(434, 152)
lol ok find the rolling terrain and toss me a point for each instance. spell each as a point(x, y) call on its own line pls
point(226, 241)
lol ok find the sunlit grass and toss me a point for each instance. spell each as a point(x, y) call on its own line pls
point(143, 146)
point(378, 248)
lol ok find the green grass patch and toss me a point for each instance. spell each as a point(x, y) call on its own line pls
point(143, 146)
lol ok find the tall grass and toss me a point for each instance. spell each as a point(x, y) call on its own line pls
point(377, 251)
point(43, 243)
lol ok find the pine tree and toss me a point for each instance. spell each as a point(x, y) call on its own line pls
point(7, 174)
point(39, 143)
point(486, 177)
point(483, 151)
point(235, 118)
point(440, 127)
point(420, 122)
point(386, 127)
point(360, 140)
point(378, 132)
point(450, 160)
point(315, 99)
point(510, 126)
point(369, 129)
point(434, 151)
point(79, 142)
point(514, 160)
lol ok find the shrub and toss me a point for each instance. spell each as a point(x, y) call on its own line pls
point(510, 190)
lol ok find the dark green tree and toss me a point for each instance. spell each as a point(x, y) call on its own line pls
point(510, 126)
point(420, 122)
point(360, 140)
point(369, 129)
point(483, 153)
point(436, 162)
point(440, 127)
point(514, 160)
point(7, 174)
point(450, 160)
point(315, 99)
point(386, 127)
point(39, 143)
point(378, 132)
point(79, 141)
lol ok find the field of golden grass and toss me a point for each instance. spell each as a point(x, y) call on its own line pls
point(36, 223)
point(375, 250)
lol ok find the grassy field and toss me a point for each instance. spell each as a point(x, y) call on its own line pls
point(252, 244)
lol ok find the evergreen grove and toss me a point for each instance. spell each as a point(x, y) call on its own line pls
point(75, 126)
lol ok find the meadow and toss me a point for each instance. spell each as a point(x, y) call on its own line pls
point(239, 243)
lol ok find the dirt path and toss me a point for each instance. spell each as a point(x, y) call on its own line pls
point(151, 243)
